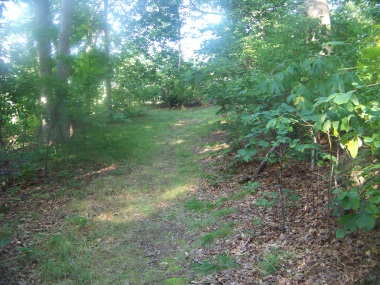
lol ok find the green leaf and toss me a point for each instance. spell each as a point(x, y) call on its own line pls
point(365, 221)
point(349, 222)
point(326, 126)
point(355, 100)
point(262, 202)
point(342, 98)
point(335, 43)
point(271, 123)
point(345, 126)
point(371, 53)
point(341, 233)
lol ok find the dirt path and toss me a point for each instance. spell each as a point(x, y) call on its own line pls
point(123, 223)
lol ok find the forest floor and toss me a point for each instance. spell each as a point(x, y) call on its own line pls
point(172, 208)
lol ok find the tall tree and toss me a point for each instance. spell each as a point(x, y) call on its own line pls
point(319, 9)
point(61, 112)
point(43, 37)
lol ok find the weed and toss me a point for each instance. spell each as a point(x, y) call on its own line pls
point(78, 221)
point(258, 222)
point(273, 260)
point(218, 234)
point(221, 201)
point(221, 262)
point(224, 212)
point(251, 187)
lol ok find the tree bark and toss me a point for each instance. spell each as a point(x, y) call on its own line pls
point(61, 112)
point(42, 35)
point(319, 9)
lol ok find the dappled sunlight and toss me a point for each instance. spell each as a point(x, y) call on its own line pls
point(105, 217)
point(181, 123)
point(215, 148)
point(180, 141)
point(97, 172)
point(177, 191)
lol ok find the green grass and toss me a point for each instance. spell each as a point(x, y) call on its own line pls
point(217, 264)
point(214, 235)
point(199, 205)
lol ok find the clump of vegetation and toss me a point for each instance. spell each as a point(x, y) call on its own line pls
point(217, 264)
point(217, 234)
point(273, 260)
point(199, 205)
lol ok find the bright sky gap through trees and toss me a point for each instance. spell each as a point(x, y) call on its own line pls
point(191, 41)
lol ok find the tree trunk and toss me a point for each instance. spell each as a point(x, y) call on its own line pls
point(108, 63)
point(319, 9)
point(42, 35)
point(61, 112)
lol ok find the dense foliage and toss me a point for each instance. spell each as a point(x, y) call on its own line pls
point(298, 91)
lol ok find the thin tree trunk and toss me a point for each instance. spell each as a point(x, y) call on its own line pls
point(109, 67)
point(61, 112)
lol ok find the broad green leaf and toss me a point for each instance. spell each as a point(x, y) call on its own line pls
point(326, 126)
point(335, 128)
point(349, 222)
point(318, 124)
point(321, 100)
point(349, 106)
point(341, 233)
point(294, 143)
point(345, 126)
point(371, 53)
point(368, 139)
point(342, 98)
point(355, 100)
point(271, 123)
point(327, 156)
point(365, 221)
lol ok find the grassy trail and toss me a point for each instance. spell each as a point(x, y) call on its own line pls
point(127, 226)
